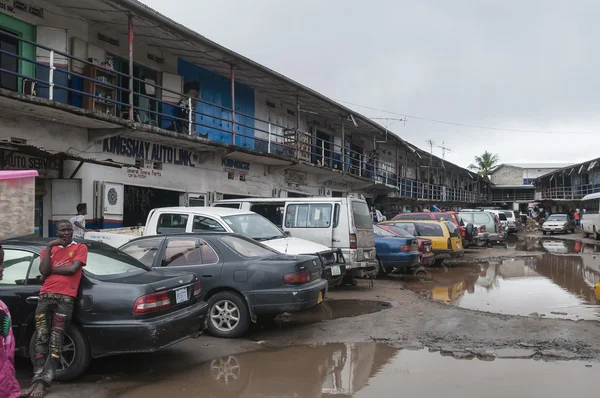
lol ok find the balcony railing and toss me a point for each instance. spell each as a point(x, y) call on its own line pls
point(55, 81)
point(565, 193)
point(513, 196)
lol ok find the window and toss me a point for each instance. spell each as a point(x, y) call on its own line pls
point(336, 215)
point(171, 223)
point(509, 214)
point(246, 247)
point(16, 265)
point(502, 216)
point(481, 219)
point(143, 250)
point(253, 226)
point(313, 215)
point(361, 215)
point(409, 227)
point(106, 262)
point(382, 232)
point(188, 251)
point(271, 211)
point(414, 217)
point(429, 229)
point(8, 62)
point(558, 217)
point(452, 229)
point(203, 224)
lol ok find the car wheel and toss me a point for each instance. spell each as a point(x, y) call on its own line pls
point(381, 271)
point(75, 358)
point(228, 375)
point(228, 315)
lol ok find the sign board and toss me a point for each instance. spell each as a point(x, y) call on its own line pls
point(46, 167)
point(337, 185)
point(146, 150)
point(235, 166)
point(294, 177)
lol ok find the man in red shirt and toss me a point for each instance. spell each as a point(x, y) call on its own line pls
point(60, 266)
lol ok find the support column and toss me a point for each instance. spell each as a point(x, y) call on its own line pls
point(343, 146)
point(232, 105)
point(130, 40)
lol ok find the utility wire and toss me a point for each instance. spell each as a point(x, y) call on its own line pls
point(457, 124)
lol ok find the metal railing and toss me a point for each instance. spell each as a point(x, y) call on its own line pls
point(565, 193)
point(213, 122)
point(517, 195)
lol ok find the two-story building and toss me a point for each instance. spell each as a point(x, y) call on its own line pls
point(124, 109)
point(513, 183)
point(568, 185)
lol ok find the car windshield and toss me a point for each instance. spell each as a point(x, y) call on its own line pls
point(557, 217)
point(246, 247)
point(429, 229)
point(253, 226)
point(400, 232)
point(509, 214)
point(106, 262)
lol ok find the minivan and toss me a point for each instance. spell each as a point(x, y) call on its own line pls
point(483, 218)
point(343, 223)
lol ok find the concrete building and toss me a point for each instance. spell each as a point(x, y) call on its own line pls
point(124, 109)
point(566, 186)
point(513, 183)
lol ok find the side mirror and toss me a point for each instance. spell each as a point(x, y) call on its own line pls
point(287, 233)
point(470, 228)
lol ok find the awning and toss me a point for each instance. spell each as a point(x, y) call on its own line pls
point(38, 152)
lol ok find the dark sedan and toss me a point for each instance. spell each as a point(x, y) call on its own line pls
point(122, 307)
point(241, 278)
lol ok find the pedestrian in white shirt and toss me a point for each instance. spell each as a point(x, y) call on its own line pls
point(78, 221)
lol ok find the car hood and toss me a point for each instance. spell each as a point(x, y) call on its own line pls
point(294, 246)
point(552, 223)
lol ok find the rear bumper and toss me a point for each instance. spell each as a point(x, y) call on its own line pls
point(146, 335)
point(290, 299)
point(401, 261)
point(328, 272)
point(445, 254)
point(365, 269)
point(427, 259)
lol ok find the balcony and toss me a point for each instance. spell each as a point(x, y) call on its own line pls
point(110, 103)
point(567, 193)
point(520, 194)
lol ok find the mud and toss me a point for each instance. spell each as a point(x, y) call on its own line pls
point(367, 370)
point(330, 310)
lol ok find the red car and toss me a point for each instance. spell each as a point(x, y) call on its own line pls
point(427, 256)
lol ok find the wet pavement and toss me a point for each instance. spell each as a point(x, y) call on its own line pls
point(551, 244)
point(331, 309)
point(554, 286)
point(367, 370)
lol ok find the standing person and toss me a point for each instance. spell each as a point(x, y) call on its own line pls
point(60, 265)
point(9, 386)
point(78, 221)
point(577, 218)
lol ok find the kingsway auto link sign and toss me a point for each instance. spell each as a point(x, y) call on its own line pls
point(148, 151)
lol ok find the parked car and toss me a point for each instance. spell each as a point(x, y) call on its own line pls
point(168, 220)
point(427, 256)
point(469, 235)
point(487, 220)
point(110, 315)
point(396, 252)
point(558, 223)
point(340, 223)
point(445, 240)
point(241, 278)
point(514, 221)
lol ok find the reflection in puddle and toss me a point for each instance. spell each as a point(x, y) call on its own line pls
point(368, 370)
point(552, 286)
point(550, 245)
point(333, 309)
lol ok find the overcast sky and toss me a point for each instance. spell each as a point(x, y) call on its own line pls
point(525, 65)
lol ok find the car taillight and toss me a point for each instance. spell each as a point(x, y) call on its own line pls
point(197, 289)
point(449, 244)
point(428, 248)
point(297, 278)
point(406, 248)
point(152, 302)
point(482, 229)
point(353, 241)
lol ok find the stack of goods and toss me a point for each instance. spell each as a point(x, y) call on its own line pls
point(17, 207)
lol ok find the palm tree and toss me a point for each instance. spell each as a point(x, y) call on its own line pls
point(485, 164)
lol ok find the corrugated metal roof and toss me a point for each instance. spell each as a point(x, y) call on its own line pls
point(538, 165)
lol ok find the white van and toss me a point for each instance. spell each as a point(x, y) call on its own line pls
point(590, 215)
point(343, 223)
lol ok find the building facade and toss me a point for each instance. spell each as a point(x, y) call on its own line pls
point(121, 108)
point(568, 185)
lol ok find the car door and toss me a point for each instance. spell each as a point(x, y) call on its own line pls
point(192, 254)
point(311, 221)
point(19, 288)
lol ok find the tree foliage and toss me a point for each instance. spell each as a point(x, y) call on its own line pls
point(485, 164)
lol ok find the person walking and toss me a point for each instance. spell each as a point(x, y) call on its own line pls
point(78, 221)
point(9, 386)
point(577, 218)
point(60, 266)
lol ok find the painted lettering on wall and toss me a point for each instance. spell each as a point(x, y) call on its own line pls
point(139, 149)
point(337, 184)
point(45, 166)
point(7, 7)
point(132, 172)
point(294, 177)
point(235, 166)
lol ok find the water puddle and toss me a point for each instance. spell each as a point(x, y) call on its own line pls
point(551, 245)
point(369, 370)
point(546, 285)
point(332, 309)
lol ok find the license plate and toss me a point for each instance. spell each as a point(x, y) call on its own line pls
point(320, 300)
point(335, 270)
point(181, 295)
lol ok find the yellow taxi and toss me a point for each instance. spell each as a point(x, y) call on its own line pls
point(444, 235)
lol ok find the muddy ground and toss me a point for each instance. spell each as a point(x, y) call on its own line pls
point(399, 318)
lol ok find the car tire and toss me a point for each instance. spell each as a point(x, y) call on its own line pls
point(80, 360)
point(222, 307)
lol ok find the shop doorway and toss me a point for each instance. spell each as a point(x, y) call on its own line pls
point(140, 200)
point(9, 44)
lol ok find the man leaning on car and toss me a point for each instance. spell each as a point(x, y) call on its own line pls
point(60, 266)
